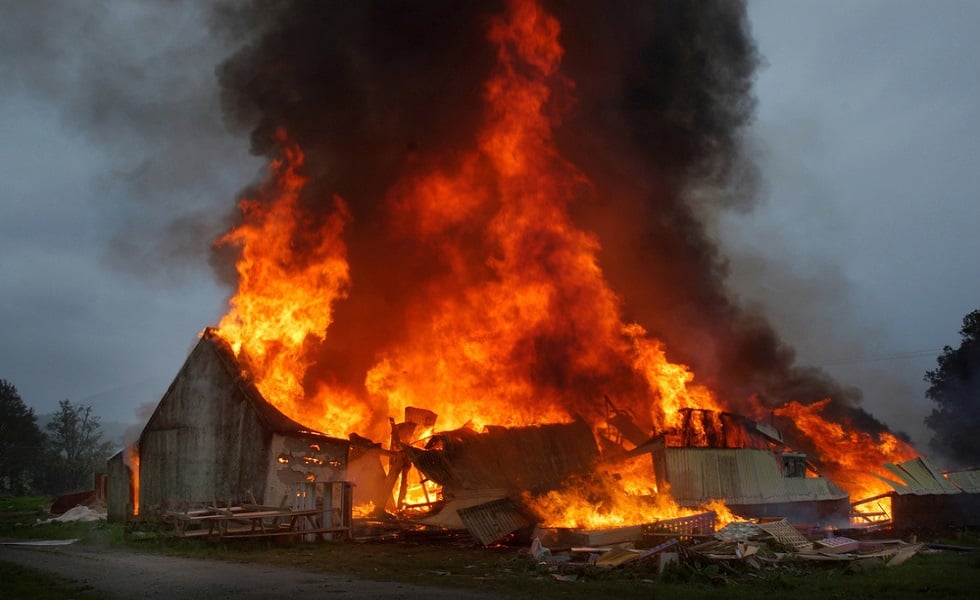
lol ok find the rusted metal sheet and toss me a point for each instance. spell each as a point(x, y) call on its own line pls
point(533, 459)
point(492, 521)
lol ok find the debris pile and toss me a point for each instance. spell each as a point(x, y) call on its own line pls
point(750, 548)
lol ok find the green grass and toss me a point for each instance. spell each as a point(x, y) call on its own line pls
point(510, 573)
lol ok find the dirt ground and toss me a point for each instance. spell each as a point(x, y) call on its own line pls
point(120, 573)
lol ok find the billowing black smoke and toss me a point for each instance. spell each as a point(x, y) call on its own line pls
point(662, 95)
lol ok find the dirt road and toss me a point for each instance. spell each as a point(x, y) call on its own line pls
point(126, 574)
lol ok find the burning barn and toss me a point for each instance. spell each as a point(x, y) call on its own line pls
point(495, 212)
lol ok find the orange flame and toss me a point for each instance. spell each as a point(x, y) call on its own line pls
point(848, 456)
point(520, 328)
point(620, 496)
point(131, 458)
point(286, 290)
point(471, 353)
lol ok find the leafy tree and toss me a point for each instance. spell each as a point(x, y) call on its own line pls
point(75, 447)
point(21, 442)
point(955, 387)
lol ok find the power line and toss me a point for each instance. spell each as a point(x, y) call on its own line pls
point(930, 353)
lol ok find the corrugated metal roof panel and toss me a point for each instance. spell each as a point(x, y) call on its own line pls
point(739, 476)
point(911, 484)
point(921, 477)
point(493, 520)
point(901, 489)
point(945, 483)
point(969, 481)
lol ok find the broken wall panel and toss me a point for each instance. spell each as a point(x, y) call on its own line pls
point(492, 521)
point(750, 482)
point(533, 459)
point(302, 458)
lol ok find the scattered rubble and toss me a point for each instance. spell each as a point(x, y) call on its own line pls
point(738, 548)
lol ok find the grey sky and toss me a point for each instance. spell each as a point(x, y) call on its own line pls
point(864, 247)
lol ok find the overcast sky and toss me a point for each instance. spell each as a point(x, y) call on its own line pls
point(863, 250)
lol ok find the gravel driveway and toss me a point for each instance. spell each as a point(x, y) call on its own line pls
point(125, 574)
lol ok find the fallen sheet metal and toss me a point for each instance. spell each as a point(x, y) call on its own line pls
point(492, 521)
point(448, 516)
point(43, 543)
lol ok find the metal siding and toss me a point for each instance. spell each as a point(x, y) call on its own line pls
point(492, 521)
point(739, 476)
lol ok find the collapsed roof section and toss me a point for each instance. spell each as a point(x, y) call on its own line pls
point(919, 477)
point(531, 459)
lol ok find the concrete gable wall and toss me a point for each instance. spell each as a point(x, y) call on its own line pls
point(205, 440)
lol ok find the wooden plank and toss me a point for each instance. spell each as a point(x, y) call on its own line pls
point(903, 555)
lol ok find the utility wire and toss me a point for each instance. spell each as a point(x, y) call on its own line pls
point(896, 356)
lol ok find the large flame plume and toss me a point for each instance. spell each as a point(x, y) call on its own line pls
point(474, 272)
point(520, 328)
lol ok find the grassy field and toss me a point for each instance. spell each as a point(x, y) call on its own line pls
point(509, 572)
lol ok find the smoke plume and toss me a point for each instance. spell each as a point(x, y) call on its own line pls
point(654, 107)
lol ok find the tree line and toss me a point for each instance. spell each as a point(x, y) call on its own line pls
point(61, 458)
